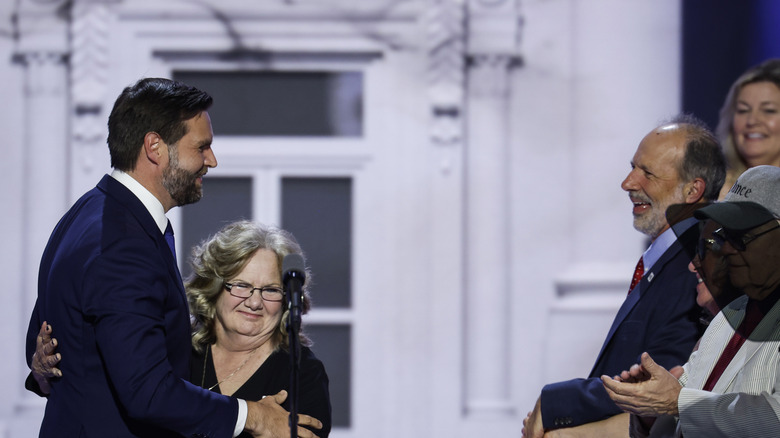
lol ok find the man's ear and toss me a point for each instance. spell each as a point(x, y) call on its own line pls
point(153, 147)
point(694, 191)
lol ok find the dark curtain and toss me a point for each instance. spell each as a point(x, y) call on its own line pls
point(722, 39)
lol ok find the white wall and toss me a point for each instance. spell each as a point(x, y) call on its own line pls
point(598, 77)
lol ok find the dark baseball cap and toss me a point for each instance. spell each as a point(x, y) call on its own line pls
point(753, 200)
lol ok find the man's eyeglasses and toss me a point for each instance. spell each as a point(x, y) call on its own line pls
point(244, 290)
point(737, 241)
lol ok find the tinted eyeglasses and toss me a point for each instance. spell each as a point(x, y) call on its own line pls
point(738, 241)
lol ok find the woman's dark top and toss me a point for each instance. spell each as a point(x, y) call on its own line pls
point(274, 376)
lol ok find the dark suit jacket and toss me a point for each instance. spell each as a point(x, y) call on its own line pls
point(109, 285)
point(660, 316)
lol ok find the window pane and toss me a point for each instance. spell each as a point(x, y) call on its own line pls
point(318, 212)
point(267, 103)
point(332, 345)
point(224, 200)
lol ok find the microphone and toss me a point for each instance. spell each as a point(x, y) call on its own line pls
point(293, 277)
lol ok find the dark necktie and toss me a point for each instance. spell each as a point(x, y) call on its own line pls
point(169, 239)
point(639, 271)
point(752, 318)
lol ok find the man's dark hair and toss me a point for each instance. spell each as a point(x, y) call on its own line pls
point(703, 156)
point(151, 105)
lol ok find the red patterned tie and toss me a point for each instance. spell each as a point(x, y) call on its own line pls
point(638, 273)
point(752, 318)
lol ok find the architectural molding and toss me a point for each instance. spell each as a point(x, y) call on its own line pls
point(494, 26)
point(489, 74)
point(445, 29)
point(89, 30)
point(40, 66)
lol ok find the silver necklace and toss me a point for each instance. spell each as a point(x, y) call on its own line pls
point(203, 378)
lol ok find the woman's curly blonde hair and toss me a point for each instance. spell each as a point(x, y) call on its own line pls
point(224, 255)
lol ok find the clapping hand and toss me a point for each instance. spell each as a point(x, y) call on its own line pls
point(646, 389)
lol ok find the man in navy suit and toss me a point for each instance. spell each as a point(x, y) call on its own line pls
point(677, 163)
point(109, 283)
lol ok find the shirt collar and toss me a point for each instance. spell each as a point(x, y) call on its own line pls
point(664, 241)
point(152, 204)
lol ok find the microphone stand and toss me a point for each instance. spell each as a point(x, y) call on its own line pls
point(293, 330)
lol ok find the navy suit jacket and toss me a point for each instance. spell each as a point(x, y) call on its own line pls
point(109, 285)
point(659, 316)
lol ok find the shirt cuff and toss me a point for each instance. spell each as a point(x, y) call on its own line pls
point(241, 420)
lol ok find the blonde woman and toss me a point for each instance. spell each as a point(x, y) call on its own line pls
point(749, 125)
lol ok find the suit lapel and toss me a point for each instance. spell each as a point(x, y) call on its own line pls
point(624, 310)
point(175, 268)
point(636, 294)
point(122, 194)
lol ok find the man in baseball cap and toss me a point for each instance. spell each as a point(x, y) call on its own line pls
point(753, 200)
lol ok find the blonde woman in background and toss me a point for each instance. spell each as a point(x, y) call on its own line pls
point(749, 125)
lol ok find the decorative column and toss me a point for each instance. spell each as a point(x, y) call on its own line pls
point(446, 33)
point(492, 47)
point(42, 51)
point(89, 62)
point(445, 30)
